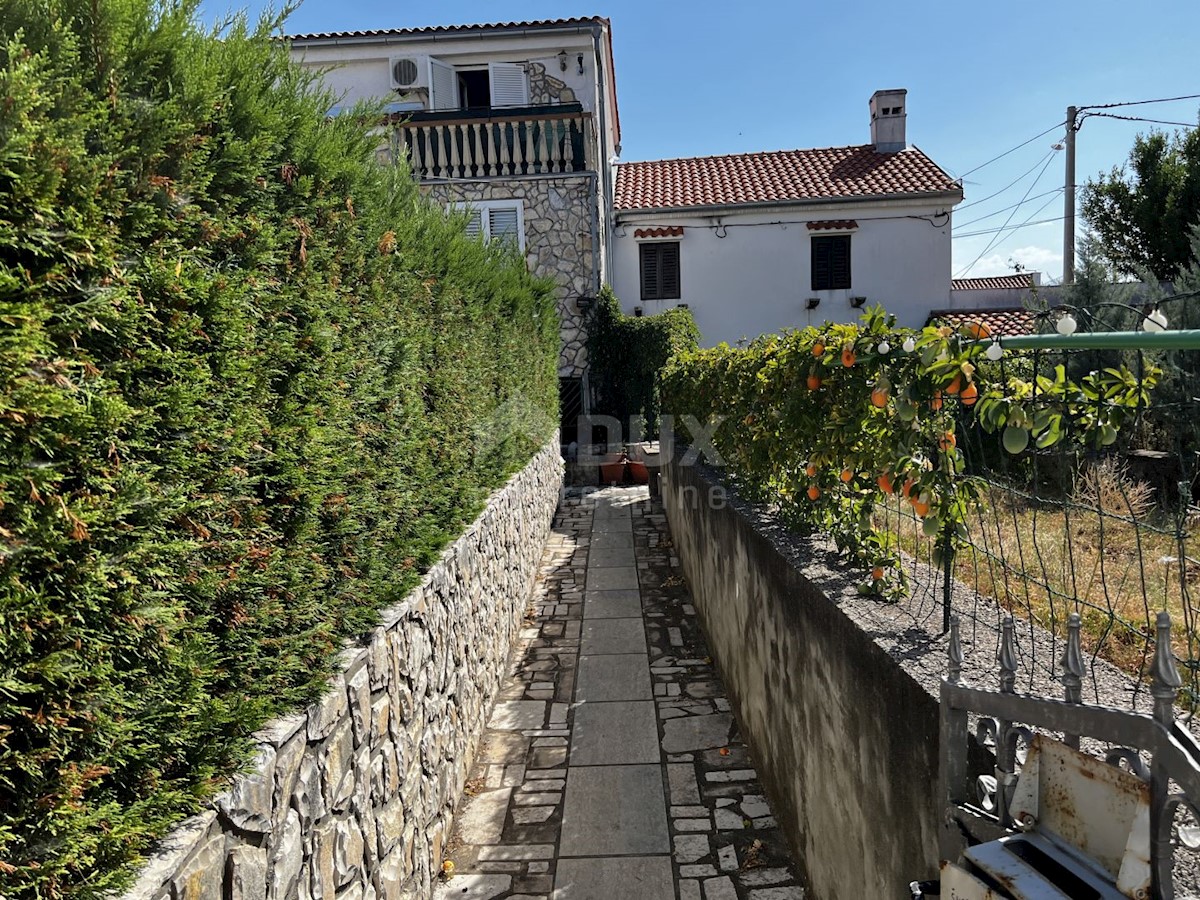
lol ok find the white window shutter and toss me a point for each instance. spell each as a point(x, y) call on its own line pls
point(475, 223)
point(510, 84)
point(504, 223)
point(443, 85)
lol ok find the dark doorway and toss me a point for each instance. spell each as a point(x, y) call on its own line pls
point(475, 89)
point(570, 402)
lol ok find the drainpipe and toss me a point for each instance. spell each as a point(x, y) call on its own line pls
point(602, 167)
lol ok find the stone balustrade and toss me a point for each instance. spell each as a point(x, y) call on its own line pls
point(499, 146)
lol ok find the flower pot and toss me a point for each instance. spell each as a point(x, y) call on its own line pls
point(638, 473)
point(612, 473)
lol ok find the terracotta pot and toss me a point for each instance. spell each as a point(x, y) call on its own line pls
point(612, 473)
point(638, 473)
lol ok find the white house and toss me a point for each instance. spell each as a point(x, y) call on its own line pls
point(757, 242)
point(516, 121)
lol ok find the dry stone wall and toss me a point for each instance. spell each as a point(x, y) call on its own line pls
point(352, 798)
point(560, 213)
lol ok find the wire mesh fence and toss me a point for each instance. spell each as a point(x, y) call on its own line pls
point(1108, 532)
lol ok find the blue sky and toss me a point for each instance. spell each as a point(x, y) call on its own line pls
point(701, 77)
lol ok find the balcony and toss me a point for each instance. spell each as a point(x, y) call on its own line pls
point(463, 145)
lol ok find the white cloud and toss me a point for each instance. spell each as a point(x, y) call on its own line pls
point(1033, 259)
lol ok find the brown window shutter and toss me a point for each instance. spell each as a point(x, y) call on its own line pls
point(650, 272)
point(669, 268)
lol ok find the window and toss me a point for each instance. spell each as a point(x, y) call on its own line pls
point(660, 270)
point(831, 262)
point(498, 220)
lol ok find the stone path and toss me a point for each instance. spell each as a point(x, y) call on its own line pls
point(612, 768)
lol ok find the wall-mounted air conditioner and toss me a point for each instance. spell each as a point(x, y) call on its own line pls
point(409, 72)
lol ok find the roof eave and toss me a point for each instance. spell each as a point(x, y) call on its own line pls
point(767, 205)
point(585, 26)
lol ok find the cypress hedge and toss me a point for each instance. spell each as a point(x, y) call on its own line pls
point(626, 355)
point(251, 382)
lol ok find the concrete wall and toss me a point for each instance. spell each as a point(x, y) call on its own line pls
point(561, 228)
point(754, 276)
point(844, 739)
point(353, 797)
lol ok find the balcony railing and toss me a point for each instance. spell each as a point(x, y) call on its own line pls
point(499, 146)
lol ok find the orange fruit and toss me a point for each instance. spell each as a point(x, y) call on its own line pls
point(810, 470)
point(885, 483)
point(847, 476)
point(921, 509)
point(813, 382)
point(948, 441)
point(969, 394)
point(877, 573)
point(848, 357)
point(818, 349)
point(879, 398)
point(954, 386)
point(977, 330)
point(907, 489)
point(814, 492)
point(936, 402)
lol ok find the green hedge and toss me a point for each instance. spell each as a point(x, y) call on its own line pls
point(250, 384)
point(626, 354)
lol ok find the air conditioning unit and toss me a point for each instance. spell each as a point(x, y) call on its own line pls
point(409, 72)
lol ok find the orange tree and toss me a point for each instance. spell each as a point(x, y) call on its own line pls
point(823, 422)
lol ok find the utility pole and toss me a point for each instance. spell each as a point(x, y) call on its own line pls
point(1069, 201)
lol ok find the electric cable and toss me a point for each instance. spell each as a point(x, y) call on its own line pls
point(1013, 150)
point(1056, 190)
point(1028, 190)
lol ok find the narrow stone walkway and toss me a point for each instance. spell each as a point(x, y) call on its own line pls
point(612, 768)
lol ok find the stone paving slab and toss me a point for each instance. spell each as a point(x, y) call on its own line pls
point(644, 877)
point(603, 676)
point(615, 734)
point(612, 605)
point(613, 636)
point(616, 676)
point(612, 578)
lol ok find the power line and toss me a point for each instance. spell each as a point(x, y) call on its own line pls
point(1137, 119)
point(1057, 190)
point(1013, 150)
point(1028, 191)
point(1141, 102)
point(1023, 175)
point(1024, 224)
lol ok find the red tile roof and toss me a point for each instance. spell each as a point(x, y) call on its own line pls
point(833, 225)
point(444, 29)
point(999, 322)
point(666, 231)
point(995, 283)
point(782, 176)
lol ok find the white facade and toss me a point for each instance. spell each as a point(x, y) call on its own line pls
point(746, 273)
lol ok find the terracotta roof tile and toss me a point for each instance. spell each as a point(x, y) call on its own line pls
point(443, 29)
point(666, 231)
point(999, 322)
point(778, 177)
point(994, 283)
point(833, 225)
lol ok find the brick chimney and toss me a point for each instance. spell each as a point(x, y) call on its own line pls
point(888, 112)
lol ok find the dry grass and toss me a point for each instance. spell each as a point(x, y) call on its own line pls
point(1108, 554)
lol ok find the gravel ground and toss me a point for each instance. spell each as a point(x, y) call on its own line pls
point(910, 632)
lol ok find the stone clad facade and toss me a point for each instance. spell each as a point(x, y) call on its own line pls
point(353, 797)
point(561, 224)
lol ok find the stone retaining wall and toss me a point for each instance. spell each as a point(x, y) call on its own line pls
point(353, 797)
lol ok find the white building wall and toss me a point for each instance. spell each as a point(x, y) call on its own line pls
point(362, 71)
point(753, 276)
